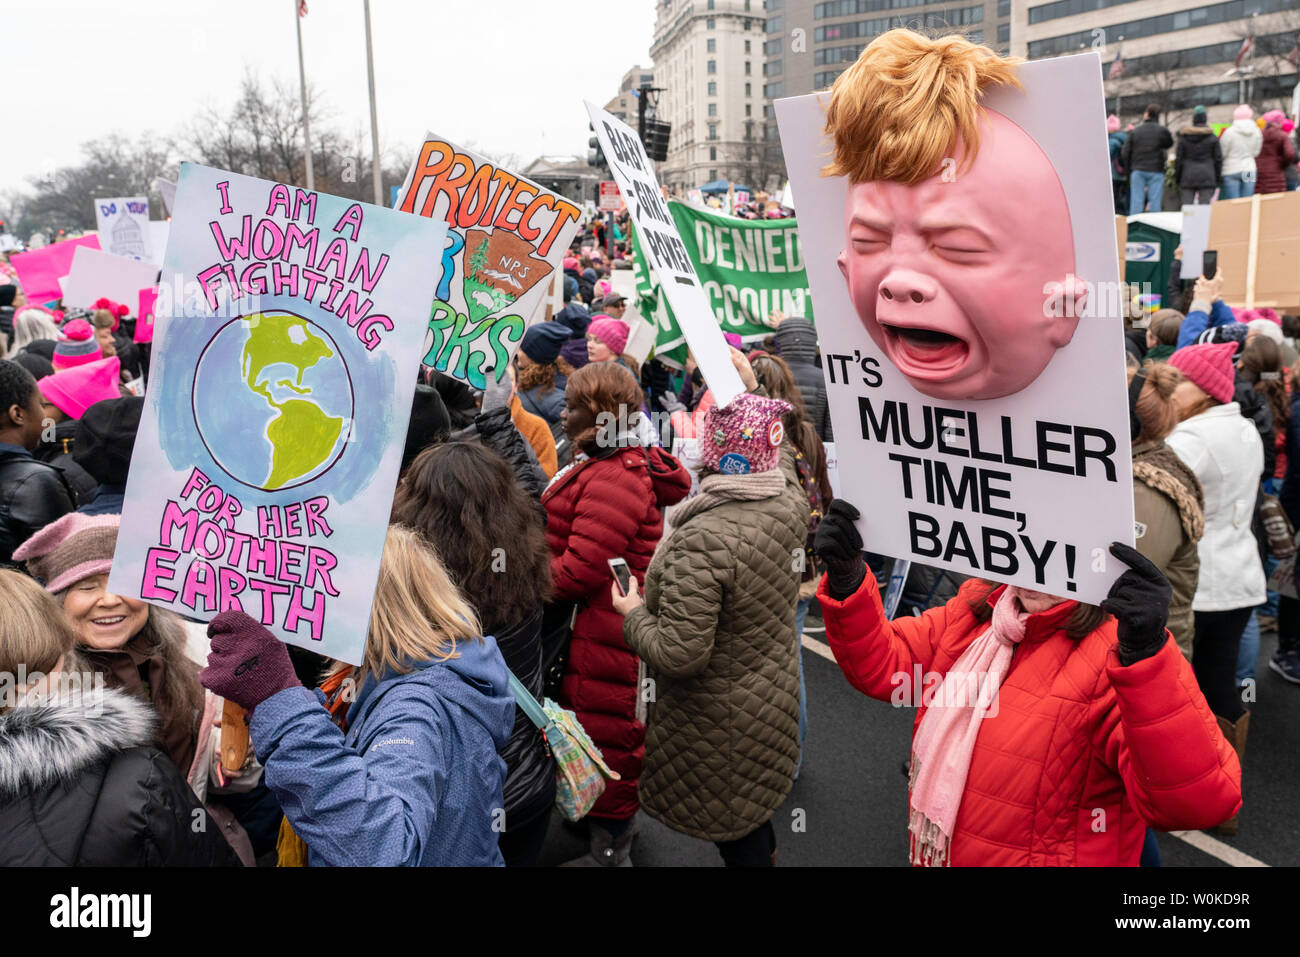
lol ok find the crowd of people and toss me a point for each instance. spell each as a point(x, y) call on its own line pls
point(1251, 155)
point(511, 505)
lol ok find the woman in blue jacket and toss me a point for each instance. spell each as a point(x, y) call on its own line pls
point(393, 762)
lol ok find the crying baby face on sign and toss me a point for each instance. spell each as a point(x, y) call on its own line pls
point(959, 254)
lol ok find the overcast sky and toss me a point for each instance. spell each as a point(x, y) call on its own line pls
point(509, 75)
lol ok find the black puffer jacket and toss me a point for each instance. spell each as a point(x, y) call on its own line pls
point(1255, 407)
point(1145, 148)
point(58, 453)
point(530, 769)
point(81, 785)
point(796, 340)
point(1198, 160)
point(32, 494)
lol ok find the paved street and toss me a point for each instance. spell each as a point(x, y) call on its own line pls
point(853, 794)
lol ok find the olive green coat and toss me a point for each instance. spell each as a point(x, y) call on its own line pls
point(717, 636)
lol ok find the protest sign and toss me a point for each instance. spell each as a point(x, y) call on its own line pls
point(1258, 241)
point(123, 225)
point(970, 332)
point(40, 270)
point(747, 269)
point(280, 386)
point(95, 273)
point(1194, 239)
point(167, 189)
point(665, 253)
point(144, 314)
point(506, 236)
point(611, 200)
point(158, 232)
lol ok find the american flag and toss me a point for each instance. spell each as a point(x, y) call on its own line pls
point(302, 8)
point(1294, 55)
point(1116, 67)
point(1247, 48)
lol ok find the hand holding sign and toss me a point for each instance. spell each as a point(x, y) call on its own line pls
point(839, 545)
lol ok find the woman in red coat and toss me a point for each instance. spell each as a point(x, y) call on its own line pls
point(1275, 155)
point(1047, 733)
point(608, 503)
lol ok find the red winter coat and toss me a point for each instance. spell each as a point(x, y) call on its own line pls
point(1274, 157)
point(1083, 752)
point(608, 508)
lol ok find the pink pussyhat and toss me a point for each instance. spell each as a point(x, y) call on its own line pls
point(75, 390)
point(613, 332)
point(1243, 112)
point(1112, 124)
point(1274, 116)
point(1208, 366)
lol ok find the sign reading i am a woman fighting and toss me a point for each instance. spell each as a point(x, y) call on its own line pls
point(286, 350)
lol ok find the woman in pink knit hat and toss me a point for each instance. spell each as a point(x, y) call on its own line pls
point(1224, 451)
point(139, 648)
point(722, 742)
point(1275, 155)
point(607, 340)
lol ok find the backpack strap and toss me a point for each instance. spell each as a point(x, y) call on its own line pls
point(527, 703)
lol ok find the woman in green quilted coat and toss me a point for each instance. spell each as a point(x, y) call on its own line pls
point(716, 632)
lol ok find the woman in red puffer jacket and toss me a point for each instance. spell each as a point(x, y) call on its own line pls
point(608, 503)
point(1070, 731)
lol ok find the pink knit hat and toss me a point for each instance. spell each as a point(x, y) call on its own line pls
point(75, 390)
point(75, 547)
point(1208, 366)
point(613, 332)
point(1112, 124)
point(76, 346)
point(743, 436)
point(1243, 112)
point(570, 262)
point(1274, 116)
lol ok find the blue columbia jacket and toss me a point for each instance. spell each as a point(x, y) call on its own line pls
point(1197, 322)
point(417, 780)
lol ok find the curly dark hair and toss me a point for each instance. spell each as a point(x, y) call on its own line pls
point(490, 534)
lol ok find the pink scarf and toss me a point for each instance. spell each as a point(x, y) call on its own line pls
point(945, 739)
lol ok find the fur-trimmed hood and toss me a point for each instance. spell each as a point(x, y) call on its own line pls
point(1159, 467)
point(57, 739)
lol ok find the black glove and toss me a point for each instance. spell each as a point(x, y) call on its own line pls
point(839, 545)
point(1139, 600)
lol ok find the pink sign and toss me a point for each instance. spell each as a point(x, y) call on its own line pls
point(40, 270)
point(144, 315)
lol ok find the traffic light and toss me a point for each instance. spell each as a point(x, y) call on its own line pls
point(656, 139)
point(595, 156)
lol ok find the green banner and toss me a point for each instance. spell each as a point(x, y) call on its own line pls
point(747, 267)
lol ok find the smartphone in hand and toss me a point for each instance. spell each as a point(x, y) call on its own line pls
point(1210, 263)
point(622, 574)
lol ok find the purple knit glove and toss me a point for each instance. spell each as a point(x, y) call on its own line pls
point(247, 664)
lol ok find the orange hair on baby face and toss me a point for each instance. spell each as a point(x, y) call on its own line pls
point(898, 111)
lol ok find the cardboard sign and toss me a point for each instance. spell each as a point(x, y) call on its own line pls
point(123, 225)
point(279, 395)
point(665, 252)
point(95, 273)
point(506, 236)
point(747, 269)
point(1258, 241)
point(977, 390)
point(40, 270)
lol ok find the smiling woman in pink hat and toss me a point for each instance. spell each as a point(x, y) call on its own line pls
point(1224, 450)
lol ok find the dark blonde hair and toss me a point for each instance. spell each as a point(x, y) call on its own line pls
point(1155, 403)
point(899, 110)
point(1165, 326)
point(34, 632)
